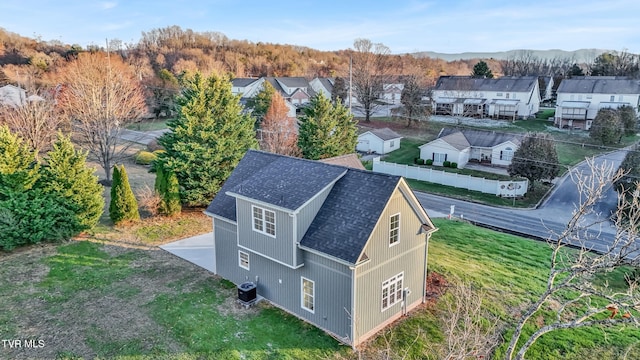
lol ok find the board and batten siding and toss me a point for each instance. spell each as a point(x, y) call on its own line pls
point(407, 257)
point(279, 248)
point(281, 285)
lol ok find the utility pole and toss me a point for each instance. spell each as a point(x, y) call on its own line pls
point(350, 80)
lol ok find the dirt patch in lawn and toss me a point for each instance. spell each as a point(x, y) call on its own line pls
point(101, 321)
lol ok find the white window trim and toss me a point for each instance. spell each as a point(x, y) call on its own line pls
point(264, 220)
point(240, 253)
point(390, 229)
point(397, 299)
point(313, 294)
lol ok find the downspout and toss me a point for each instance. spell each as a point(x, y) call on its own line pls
point(353, 307)
point(426, 257)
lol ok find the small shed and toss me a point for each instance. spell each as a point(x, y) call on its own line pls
point(379, 141)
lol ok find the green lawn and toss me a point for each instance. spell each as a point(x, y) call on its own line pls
point(513, 272)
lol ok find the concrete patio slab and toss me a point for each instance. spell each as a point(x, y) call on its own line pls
point(197, 250)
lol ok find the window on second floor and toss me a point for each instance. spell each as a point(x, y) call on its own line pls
point(264, 221)
point(394, 229)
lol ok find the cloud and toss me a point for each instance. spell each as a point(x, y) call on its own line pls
point(106, 5)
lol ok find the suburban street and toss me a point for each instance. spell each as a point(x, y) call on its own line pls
point(550, 217)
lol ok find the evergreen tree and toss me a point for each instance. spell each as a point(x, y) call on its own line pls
point(66, 174)
point(123, 206)
point(629, 119)
point(326, 130)
point(260, 103)
point(208, 138)
point(167, 187)
point(607, 127)
point(631, 167)
point(340, 90)
point(18, 166)
point(535, 159)
point(481, 70)
point(575, 71)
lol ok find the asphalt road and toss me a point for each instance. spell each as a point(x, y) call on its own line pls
point(547, 220)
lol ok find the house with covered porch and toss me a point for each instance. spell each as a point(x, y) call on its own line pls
point(502, 98)
point(580, 98)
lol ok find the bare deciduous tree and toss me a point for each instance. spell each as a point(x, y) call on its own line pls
point(469, 329)
point(279, 129)
point(101, 95)
point(571, 293)
point(36, 121)
point(370, 71)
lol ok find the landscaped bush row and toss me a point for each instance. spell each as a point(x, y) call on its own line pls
point(429, 162)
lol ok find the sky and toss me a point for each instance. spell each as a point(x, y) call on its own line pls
point(446, 26)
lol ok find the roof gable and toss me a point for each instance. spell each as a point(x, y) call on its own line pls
point(349, 215)
point(477, 138)
point(287, 182)
point(384, 134)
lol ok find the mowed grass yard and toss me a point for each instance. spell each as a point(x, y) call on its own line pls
point(90, 300)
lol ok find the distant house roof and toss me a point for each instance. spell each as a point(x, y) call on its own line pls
point(348, 160)
point(243, 82)
point(293, 82)
point(327, 83)
point(599, 85)
point(467, 83)
point(384, 134)
point(476, 138)
point(348, 215)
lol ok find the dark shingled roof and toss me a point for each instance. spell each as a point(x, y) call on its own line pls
point(288, 182)
point(481, 138)
point(599, 85)
point(347, 217)
point(242, 82)
point(467, 83)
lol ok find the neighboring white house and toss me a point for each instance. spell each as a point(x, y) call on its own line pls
point(323, 85)
point(246, 87)
point(12, 96)
point(392, 93)
point(505, 97)
point(462, 145)
point(379, 141)
point(580, 98)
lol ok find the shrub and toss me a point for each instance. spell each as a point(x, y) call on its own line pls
point(145, 157)
point(446, 163)
point(420, 162)
point(149, 200)
point(123, 206)
point(429, 162)
point(154, 146)
point(168, 189)
point(454, 165)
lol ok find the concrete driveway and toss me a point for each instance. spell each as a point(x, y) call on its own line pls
point(197, 250)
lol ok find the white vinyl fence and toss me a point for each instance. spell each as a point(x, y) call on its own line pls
point(497, 187)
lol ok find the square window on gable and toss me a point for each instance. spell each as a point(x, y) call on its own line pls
point(264, 221)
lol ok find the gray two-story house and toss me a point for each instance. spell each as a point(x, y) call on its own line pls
point(342, 248)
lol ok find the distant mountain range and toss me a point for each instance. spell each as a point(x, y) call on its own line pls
point(582, 55)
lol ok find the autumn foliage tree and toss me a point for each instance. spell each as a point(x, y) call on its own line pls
point(101, 95)
point(278, 130)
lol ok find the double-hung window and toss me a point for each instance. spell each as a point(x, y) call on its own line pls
point(243, 260)
point(394, 229)
point(392, 291)
point(307, 300)
point(264, 221)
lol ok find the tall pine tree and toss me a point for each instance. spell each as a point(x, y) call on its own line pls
point(326, 130)
point(208, 138)
point(123, 206)
point(66, 174)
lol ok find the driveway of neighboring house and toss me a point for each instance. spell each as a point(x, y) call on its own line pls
point(197, 250)
point(141, 137)
point(489, 169)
